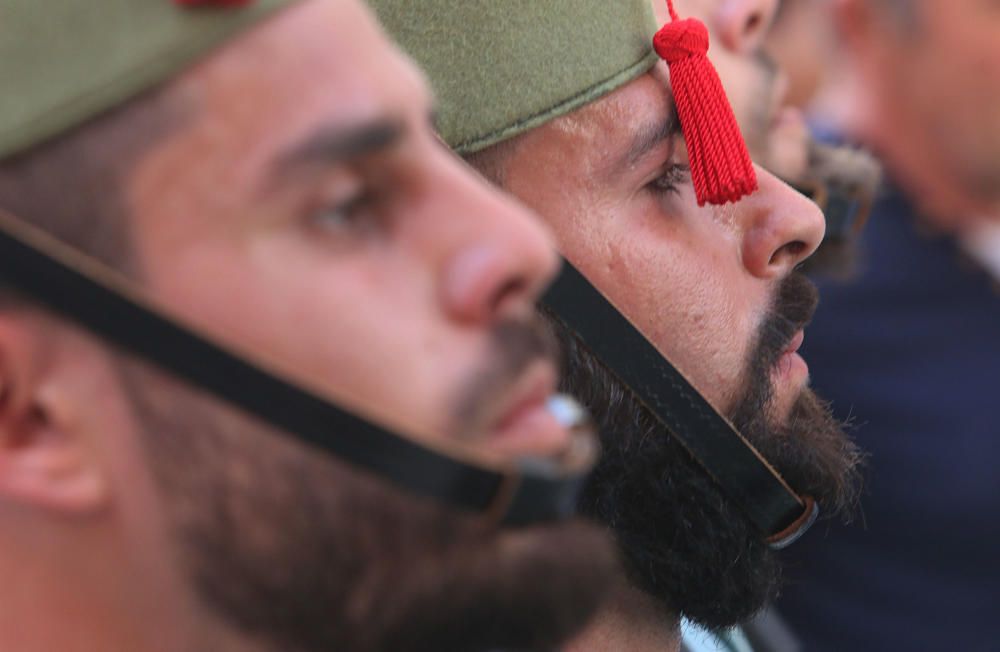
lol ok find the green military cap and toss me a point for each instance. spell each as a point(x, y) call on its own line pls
point(502, 67)
point(65, 61)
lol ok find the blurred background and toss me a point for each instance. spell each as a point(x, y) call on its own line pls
point(906, 342)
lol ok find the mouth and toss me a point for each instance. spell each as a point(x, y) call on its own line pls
point(533, 420)
point(790, 365)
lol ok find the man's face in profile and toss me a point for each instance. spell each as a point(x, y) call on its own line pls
point(697, 281)
point(322, 228)
point(714, 289)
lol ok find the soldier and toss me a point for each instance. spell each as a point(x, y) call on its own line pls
point(566, 105)
point(216, 221)
point(840, 178)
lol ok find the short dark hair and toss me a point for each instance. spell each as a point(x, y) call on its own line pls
point(72, 186)
point(491, 162)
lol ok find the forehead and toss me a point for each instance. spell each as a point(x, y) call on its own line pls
point(319, 60)
point(319, 66)
point(602, 131)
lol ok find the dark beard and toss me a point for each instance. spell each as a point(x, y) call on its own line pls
point(684, 542)
point(295, 550)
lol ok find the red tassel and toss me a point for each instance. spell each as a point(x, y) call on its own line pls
point(721, 169)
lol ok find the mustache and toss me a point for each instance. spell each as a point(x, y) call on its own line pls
point(514, 346)
point(794, 306)
point(809, 448)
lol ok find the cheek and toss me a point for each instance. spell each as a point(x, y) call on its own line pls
point(680, 287)
point(367, 329)
point(687, 309)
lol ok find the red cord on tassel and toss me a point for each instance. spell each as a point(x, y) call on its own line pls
point(721, 169)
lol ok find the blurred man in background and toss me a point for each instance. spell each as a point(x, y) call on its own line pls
point(911, 350)
point(803, 42)
point(775, 132)
point(841, 179)
point(266, 174)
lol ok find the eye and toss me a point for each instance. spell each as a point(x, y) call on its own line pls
point(340, 212)
point(674, 175)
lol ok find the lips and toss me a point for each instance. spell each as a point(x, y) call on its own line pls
point(783, 332)
point(533, 388)
point(795, 343)
point(525, 423)
point(790, 366)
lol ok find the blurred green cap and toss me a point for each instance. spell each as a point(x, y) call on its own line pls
point(502, 67)
point(65, 61)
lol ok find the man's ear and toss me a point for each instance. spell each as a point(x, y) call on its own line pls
point(48, 459)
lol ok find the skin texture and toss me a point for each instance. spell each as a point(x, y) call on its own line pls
point(696, 281)
point(775, 133)
point(128, 497)
point(931, 74)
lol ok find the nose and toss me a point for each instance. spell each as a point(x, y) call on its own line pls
point(503, 259)
point(781, 228)
point(742, 24)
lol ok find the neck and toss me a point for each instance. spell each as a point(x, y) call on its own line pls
point(630, 620)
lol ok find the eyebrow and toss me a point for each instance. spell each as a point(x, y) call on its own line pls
point(651, 135)
point(335, 144)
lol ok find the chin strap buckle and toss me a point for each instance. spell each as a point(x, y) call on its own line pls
point(798, 527)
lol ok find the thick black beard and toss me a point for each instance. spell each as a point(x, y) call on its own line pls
point(683, 541)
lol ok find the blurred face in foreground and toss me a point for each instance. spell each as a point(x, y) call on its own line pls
point(299, 208)
point(714, 289)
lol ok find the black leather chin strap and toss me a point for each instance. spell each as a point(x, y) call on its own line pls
point(742, 473)
point(97, 298)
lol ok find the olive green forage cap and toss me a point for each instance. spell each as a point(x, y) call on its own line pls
point(503, 67)
point(64, 61)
